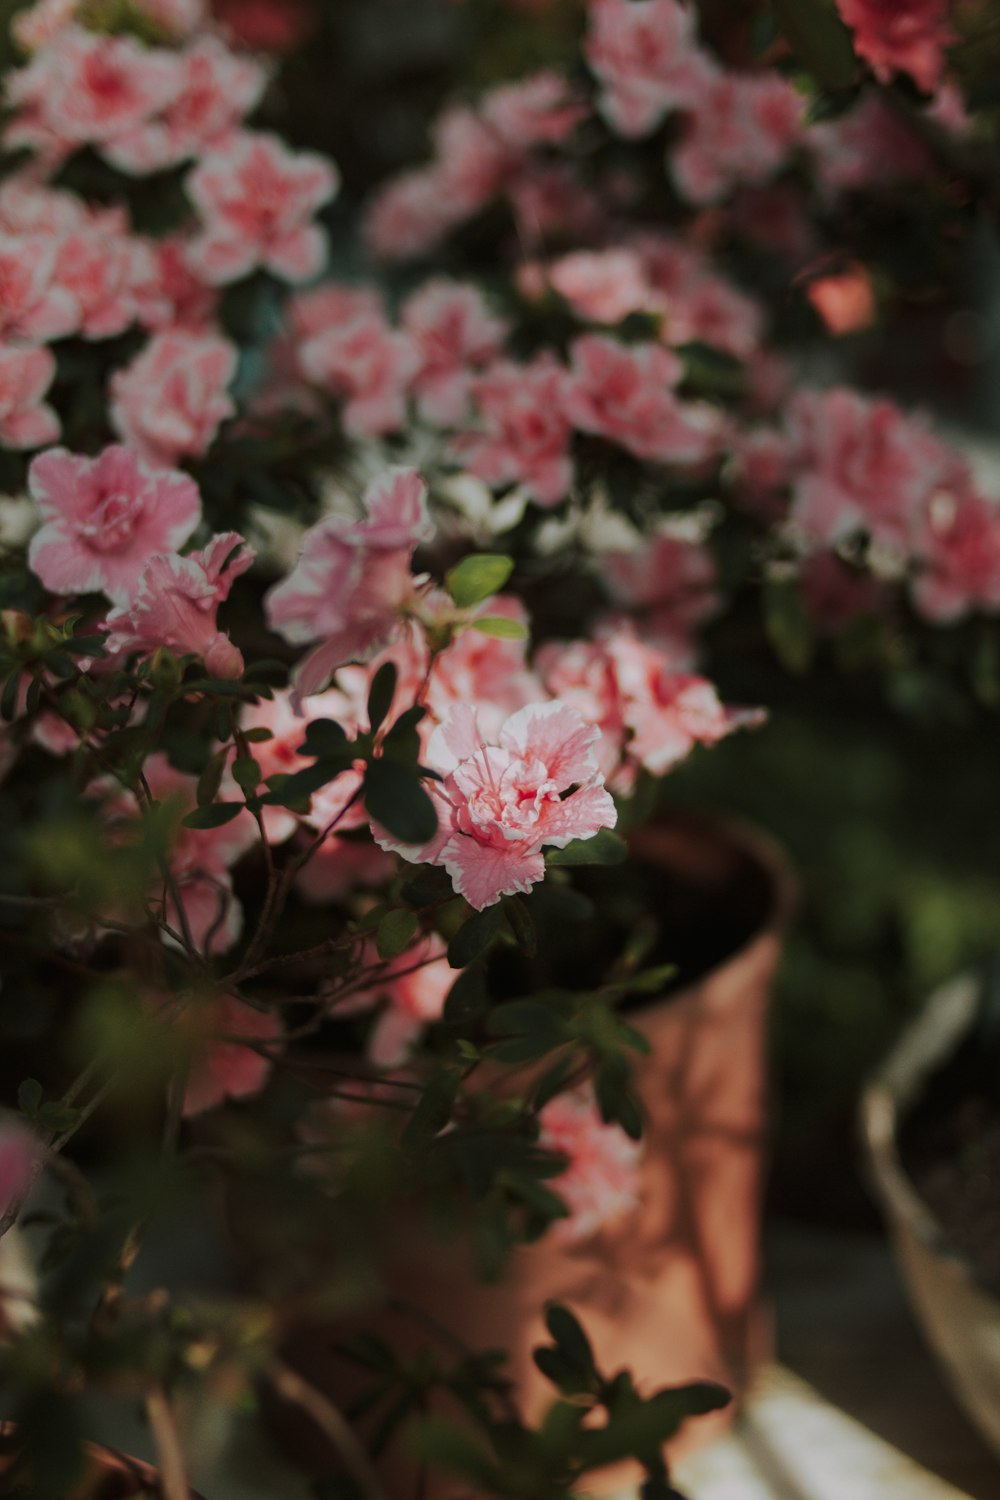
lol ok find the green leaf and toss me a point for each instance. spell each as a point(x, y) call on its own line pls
point(396, 932)
point(568, 1335)
point(8, 702)
point(643, 1427)
point(467, 1000)
point(300, 785)
point(501, 628)
point(257, 736)
point(605, 848)
point(820, 40)
point(381, 694)
point(788, 627)
point(246, 774)
point(521, 924)
point(211, 779)
point(534, 1028)
point(395, 798)
point(437, 1442)
point(476, 936)
point(213, 816)
point(433, 1113)
point(325, 739)
point(478, 577)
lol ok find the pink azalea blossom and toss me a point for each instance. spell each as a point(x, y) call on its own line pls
point(339, 867)
point(836, 595)
point(500, 804)
point(645, 57)
point(257, 200)
point(216, 90)
point(105, 270)
point(601, 1179)
point(279, 756)
point(697, 303)
point(604, 286)
point(541, 110)
point(671, 581)
point(171, 400)
point(20, 1153)
point(867, 147)
point(901, 36)
point(412, 988)
point(223, 1068)
point(176, 603)
point(104, 518)
point(959, 549)
point(454, 333)
point(353, 579)
point(26, 421)
point(34, 307)
point(27, 206)
point(410, 214)
point(265, 25)
point(84, 88)
point(522, 434)
point(491, 673)
point(370, 366)
point(172, 296)
point(626, 393)
point(650, 715)
point(739, 130)
point(330, 306)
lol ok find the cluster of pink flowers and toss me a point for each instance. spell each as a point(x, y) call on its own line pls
point(901, 36)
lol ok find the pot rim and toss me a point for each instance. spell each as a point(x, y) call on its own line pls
point(925, 1043)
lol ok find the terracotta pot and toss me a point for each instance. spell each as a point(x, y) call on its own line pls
point(673, 1290)
point(110, 1475)
point(959, 1314)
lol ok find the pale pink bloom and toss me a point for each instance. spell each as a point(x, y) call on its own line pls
point(901, 36)
point(330, 306)
point(85, 89)
point(224, 1068)
point(861, 464)
point(698, 304)
point(353, 579)
point(601, 1180)
point(339, 867)
point(500, 804)
point(548, 201)
point(650, 714)
point(280, 754)
point(265, 25)
point(28, 206)
point(20, 1152)
point(739, 130)
point(412, 989)
point(37, 24)
point(257, 200)
point(865, 148)
point(485, 670)
point(835, 595)
point(216, 90)
point(671, 581)
point(472, 160)
point(176, 603)
point(370, 366)
point(761, 470)
point(34, 307)
point(410, 214)
point(646, 58)
point(522, 434)
point(626, 393)
point(453, 332)
point(959, 552)
point(105, 518)
point(604, 286)
point(105, 270)
point(26, 421)
point(172, 296)
point(542, 110)
point(171, 400)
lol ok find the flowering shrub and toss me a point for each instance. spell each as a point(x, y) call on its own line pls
point(359, 609)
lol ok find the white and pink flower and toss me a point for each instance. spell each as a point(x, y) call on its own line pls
point(901, 36)
point(454, 333)
point(26, 419)
point(499, 805)
point(176, 603)
point(646, 59)
point(104, 518)
point(232, 1058)
point(369, 366)
point(522, 434)
point(257, 201)
point(626, 393)
point(171, 400)
point(601, 1179)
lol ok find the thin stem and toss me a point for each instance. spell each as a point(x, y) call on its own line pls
point(331, 1422)
point(170, 1455)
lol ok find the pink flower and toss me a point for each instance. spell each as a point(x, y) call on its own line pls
point(499, 805)
point(671, 581)
point(279, 756)
point(861, 464)
point(105, 270)
point(604, 286)
point(601, 1179)
point(649, 714)
point(225, 1068)
point(484, 670)
point(413, 989)
point(176, 603)
point(625, 393)
point(257, 200)
point(835, 595)
point(353, 579)
point(646, 59)
point(215, 91)
point(740, 129)
point(538, 111)
point(453, 333)
point(20, 1153)
point(370, 366)
point(523, 435)
point(88, 89)
point(173, 297)
point(959, 549)
point(25, 419)
point(104, 519)
point(33, 306)
point(265, 25)
point(330, 306)
point(867, 147)
point(410, 214)
point(697, 303)
point(170, 401)
point(901, 36)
